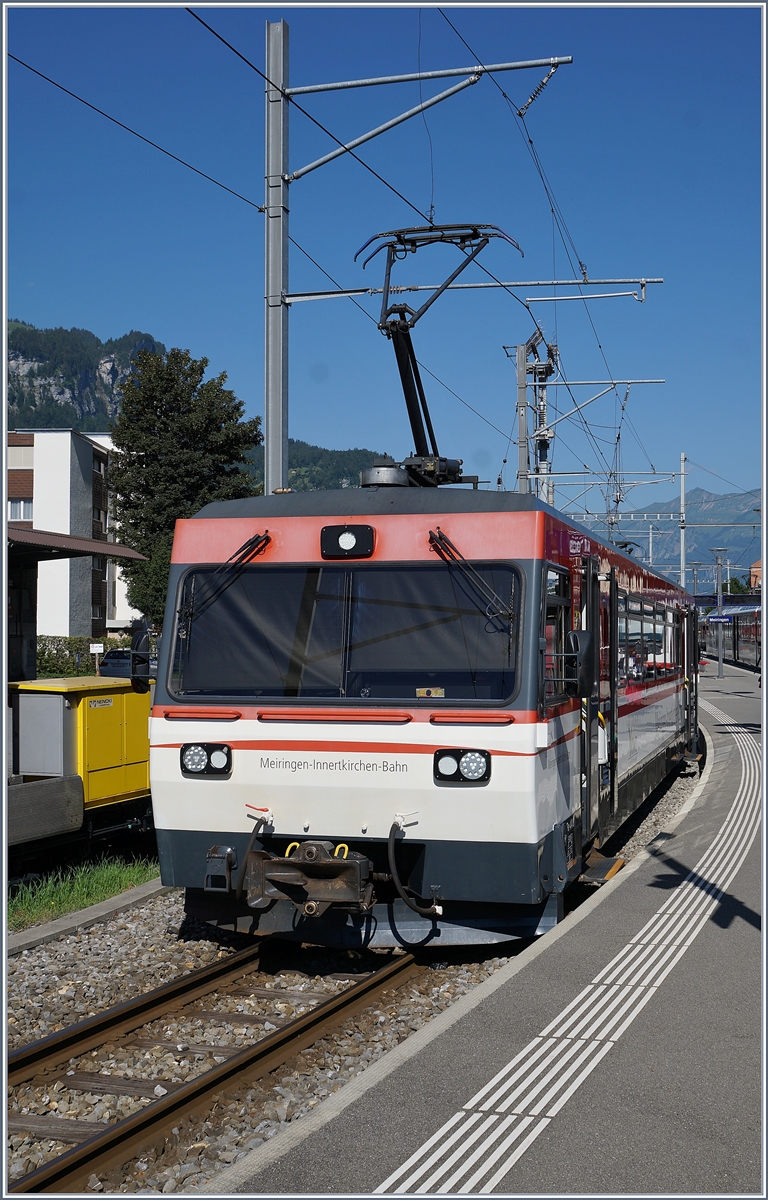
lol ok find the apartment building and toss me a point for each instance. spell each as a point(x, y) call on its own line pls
point(58, 482)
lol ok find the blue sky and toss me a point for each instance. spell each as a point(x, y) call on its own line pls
point(651, 141)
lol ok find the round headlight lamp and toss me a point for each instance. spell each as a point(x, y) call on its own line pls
point(195, 758)
point(472, 765)
point(347, 540)
point(447, 765)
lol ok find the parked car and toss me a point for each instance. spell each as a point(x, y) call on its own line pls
point(117, 664)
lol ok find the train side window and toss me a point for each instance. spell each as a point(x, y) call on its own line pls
point(670, 660)
point(635, 651)
point(649, 662)
point(557, 622)
point(677, 637)
point(654, 648)
point(623, 641)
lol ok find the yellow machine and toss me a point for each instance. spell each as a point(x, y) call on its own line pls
point(80, 751)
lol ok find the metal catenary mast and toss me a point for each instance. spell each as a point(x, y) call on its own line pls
point(278, 177)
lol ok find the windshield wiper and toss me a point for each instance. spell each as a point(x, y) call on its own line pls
point(444, 547)
point(223, 577)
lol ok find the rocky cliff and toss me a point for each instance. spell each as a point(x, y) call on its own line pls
point(68, 378)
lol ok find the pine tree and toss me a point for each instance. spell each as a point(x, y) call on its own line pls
point(179, 443)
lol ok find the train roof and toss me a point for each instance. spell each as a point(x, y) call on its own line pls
point(374, 502)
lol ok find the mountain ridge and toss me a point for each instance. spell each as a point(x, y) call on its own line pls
point(68, 377)
point(712, 519)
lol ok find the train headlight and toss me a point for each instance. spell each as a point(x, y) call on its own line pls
point(346, 541)
point(447, 765)
point(462, 767)
point(194, 758)
point(206, 758)
point(472, 765)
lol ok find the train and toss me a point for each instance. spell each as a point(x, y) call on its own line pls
point(410, 712)
point(742, 634)
point(403, 715)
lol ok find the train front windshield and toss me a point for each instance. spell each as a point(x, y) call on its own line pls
point(431, 631)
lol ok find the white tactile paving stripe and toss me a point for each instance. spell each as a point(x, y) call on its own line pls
point(478, 1147)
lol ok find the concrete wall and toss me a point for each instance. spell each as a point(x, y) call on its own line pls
point(53, 598)
point(52, 511)
point(80, 522)
point(63, 503)
point(119, 614)
point(52, 470)
point(80, 487)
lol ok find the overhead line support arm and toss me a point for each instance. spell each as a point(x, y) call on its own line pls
point(445, 74)
point(366, 137)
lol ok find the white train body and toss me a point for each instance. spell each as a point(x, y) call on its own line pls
point(333, 689)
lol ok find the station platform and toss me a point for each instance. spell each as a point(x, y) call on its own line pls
point(619, 1054)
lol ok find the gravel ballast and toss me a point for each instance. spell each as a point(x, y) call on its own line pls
point(62, 982)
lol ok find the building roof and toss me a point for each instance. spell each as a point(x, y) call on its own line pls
point(43, 545)
point(738, 610)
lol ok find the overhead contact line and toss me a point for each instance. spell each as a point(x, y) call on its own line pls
point(140, 136)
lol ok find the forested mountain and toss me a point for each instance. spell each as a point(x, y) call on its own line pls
point(312, 468)
point(68, 378)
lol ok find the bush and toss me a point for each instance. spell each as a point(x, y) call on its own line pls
point(63, 657)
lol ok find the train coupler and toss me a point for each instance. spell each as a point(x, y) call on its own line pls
point(221, 861)
point(313, 878)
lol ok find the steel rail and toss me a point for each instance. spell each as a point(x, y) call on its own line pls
point(116, 1144)
point(49, 1052)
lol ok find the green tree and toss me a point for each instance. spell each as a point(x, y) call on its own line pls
point(179, 443)
point(738, 586)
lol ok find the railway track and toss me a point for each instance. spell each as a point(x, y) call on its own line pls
point(104, 1147)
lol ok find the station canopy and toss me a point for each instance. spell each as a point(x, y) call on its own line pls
point(738, 610)
point(42, 545)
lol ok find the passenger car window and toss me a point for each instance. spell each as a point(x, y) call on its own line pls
point(557, 622)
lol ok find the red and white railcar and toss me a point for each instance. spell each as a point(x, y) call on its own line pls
point(396, 715)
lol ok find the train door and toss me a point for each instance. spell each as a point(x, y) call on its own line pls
point(691, 678)
point(590, 770)
point(609, 711)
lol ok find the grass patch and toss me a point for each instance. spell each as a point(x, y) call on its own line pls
point(70, 889)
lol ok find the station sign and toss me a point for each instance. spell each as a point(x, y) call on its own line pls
point(720, 620)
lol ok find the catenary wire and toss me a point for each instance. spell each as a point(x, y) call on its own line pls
point(560, 220)
point(357, 158)
point(335, 282)
point(421, 364)
point(382, 180)
point(746, 491)
point(140, 136)
point(375, 322)
point(562, 226)
point(557, 216)
point(260, 208)
point(314, 120)
point(251, 203)
point(426, 126)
